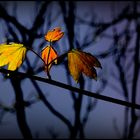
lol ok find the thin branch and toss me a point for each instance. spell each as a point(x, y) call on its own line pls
point(77, 107)
point(44, 100)
point(68, 87)
point(51, 108)
point(134, 117)
point(39, 20)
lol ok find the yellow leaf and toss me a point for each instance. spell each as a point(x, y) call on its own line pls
point(74, 65)
point(12, 55)
point(82, 62)
point(48, 55)
point(54, 35)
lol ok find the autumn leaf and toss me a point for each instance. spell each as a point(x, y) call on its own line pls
point(81, 62)
point(54, 35)
point(12, 55)
point(48, 55)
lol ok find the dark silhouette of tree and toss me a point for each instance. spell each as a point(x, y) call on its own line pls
point(120, 49)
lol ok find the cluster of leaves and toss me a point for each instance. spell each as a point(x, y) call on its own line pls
point(79, 62)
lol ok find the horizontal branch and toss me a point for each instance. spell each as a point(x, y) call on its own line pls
point(68, 87)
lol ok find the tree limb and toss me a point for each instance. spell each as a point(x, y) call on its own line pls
point(68, 87)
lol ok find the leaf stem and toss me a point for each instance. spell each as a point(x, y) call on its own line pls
point(49, 76)
point(43, 60)
point(47, 65)
point(36, 54)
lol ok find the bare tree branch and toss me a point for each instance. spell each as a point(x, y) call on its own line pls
point(68, 87)
point(20, 111)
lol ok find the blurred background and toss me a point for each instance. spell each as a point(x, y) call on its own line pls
point(108, 30)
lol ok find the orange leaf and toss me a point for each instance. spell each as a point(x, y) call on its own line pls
point(91, 60)
point(81, 62)
point(48, 55)
point(54, 35)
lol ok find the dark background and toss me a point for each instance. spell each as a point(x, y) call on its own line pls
point(109, 31)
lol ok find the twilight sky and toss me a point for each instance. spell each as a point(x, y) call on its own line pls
point(40, 120)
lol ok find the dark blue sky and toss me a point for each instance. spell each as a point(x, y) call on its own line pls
point(40, 120)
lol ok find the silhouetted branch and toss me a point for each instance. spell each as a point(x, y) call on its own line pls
point(19, 106)
point(116, 128)
point(118, 50)
point(5, 109)
point(92, 104)
point(45, 101)
point(4, 15)
point(12, 32)
point(120, 55)
point(77, 107)
point(68, 87)
point(51, 108)
point(69, 20)
point(39, 20)
point(134, 117)
point(101, 26)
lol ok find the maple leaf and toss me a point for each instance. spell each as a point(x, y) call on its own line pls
point(54, 35)
point(12, 54)
point(48, 55)
point(81, 62)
